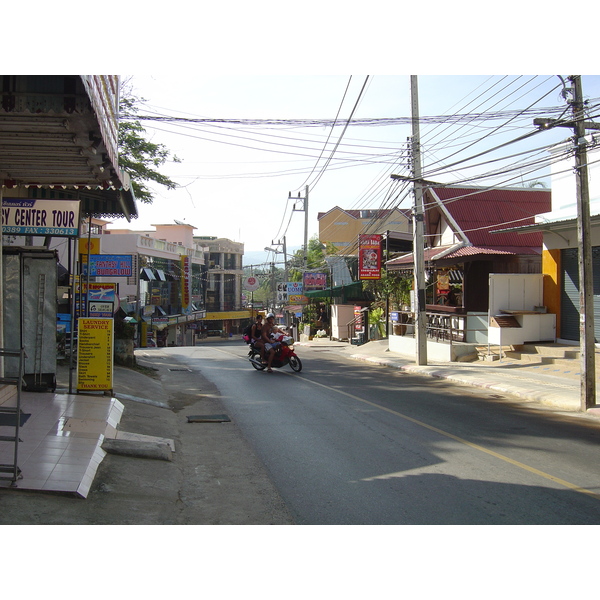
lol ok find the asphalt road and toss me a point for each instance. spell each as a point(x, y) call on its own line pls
point(352, 443)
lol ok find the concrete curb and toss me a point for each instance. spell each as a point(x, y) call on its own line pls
point(562, 400)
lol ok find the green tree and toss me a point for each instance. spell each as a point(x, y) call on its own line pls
point(393, 286)
point(315, 258)
point(138, 156)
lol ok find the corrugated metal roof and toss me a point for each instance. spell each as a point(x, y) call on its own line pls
point(478, 211)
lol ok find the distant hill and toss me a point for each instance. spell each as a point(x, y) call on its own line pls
point(259, 257)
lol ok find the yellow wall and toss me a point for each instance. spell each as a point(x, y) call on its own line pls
point(551, 267)
point(339, 226)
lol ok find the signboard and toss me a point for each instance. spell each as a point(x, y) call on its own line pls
point(294, 287)
point(101, 299)
point(109, 265)
point(89, 246)
point(358, 319)
point(185, 282)
point(95, 354)
point(297, 299)
point(251, 284)
point(314, 281)
point(282, 292)
point(27, 216)
point(369, 256)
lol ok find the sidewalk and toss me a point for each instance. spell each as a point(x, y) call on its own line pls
point(554, 386)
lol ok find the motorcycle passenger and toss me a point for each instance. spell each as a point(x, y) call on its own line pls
point(256, 337)
point(268, 330)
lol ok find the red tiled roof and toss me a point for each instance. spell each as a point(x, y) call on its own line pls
point(477, 212)
point(462, 252)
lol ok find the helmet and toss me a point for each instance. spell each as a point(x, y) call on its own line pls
point(270, 315)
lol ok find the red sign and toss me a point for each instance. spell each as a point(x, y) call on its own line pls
point(369, 256)
point(185, 281)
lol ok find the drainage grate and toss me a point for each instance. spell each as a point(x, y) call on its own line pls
point(208, 419)
point(188, 370)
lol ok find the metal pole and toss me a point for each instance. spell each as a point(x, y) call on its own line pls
point(306, 227)
point(586, 287)
point(418, 230)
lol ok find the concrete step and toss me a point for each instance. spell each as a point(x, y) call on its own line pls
point(550, 350)
point(539, 359)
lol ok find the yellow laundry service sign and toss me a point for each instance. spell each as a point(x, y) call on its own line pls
point(95, 354)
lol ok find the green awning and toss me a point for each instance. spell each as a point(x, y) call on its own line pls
point(342, 293)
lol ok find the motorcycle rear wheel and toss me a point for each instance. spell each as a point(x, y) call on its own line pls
point(295, 364)
point(259, 366)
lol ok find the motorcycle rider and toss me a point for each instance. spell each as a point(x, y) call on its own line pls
point(270, 345)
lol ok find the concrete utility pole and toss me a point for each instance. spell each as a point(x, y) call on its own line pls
point(584, 243)
point(305, 209)
point(586, 282)
point(418, 230)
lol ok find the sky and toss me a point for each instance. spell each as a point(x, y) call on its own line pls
point(235, 179)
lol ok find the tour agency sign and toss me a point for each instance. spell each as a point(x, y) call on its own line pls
point(27, 216)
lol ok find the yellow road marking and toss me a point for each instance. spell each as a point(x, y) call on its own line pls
point(447, 434)
point(511, 461)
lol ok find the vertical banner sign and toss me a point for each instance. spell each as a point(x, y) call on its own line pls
point(358, 325)
point(95, 354)
point(185, 282)
point(369, 256)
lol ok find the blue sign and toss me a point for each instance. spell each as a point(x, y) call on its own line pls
point(109, 265)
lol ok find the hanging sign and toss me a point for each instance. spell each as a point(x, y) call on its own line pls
point(369, 256)
point(28, 216)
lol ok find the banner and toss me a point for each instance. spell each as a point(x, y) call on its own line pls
point(369, 256)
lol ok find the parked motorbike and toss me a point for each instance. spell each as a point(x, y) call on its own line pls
point(284, 355)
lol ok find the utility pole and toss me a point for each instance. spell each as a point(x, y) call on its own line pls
point(586, 285)
point(584, 243)
point(418, 229)
point(305, 209)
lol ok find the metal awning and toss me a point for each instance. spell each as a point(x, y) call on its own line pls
point(58, 135)
point(146, 274)
point(344, 293)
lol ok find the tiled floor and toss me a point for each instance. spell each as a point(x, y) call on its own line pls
point(61, 447)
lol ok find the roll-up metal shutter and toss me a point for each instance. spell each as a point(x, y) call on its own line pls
point(569, 314)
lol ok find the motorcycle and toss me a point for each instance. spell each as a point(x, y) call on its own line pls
point(284, 355)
